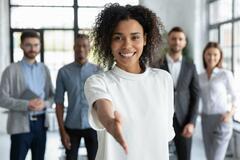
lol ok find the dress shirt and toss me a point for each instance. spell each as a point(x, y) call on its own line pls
point(34, 75)
point(218, 92)
point(174, 68)
point(71, 79)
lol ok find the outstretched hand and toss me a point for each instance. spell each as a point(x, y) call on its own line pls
point(115, 129)
point(111, 120)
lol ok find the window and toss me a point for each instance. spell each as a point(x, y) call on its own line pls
point(224, 27)
point(57, 21)
point(58, 44)
point(220, 10)
point(103, 2)
point(84, 21)
point(226, 44)
point(236, 9)
point(55, 17)
point(213, 35)
point(42, 2)
point(237, 49)
point(33, 17)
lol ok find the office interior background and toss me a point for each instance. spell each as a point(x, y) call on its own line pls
point(58, 21)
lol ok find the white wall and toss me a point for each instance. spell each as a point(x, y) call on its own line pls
point(188, 14)
point(4, 35)
point(4, 51)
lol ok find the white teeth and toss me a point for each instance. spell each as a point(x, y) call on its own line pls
point(127, 54)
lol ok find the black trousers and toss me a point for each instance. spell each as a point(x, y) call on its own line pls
point(34, 140)
point(90, 139)
point(183, 145)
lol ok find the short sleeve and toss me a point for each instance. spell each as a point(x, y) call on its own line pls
point(60, 89)
point(95, 88)
point(171, 132)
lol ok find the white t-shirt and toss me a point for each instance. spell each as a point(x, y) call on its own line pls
point(145, 102)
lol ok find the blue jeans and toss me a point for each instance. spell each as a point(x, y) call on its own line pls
point(34, 140)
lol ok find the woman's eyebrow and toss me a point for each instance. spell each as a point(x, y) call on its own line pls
point(119, 33)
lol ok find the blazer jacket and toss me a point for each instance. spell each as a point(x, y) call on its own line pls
point(186, 93)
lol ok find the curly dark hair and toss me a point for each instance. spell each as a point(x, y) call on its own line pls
point(108, 19)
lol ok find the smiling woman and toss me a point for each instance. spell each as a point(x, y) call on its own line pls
point(130, 96)
point(127, 45)
point(102, 42)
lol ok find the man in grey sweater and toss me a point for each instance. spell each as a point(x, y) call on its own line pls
point(26, 91)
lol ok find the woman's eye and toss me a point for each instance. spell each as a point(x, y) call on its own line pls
point(117, 38)
point(135, 37)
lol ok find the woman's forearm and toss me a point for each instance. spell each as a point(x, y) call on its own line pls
point(105, 113)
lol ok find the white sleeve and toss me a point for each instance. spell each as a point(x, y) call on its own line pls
point(95, 88)
point(232, 89)
point(170, 108)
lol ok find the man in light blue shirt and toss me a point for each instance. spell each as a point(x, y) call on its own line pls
point(26, 91)
point(34, 79)
point(71, 79)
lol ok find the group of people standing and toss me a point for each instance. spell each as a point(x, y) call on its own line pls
point(26, 90)
point(136, 109)
point(214, 87)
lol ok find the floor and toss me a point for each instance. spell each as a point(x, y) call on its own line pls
point(55, 150)
point(197, 152)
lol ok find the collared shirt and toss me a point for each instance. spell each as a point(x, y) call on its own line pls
point(35, 79)
point(219, 92)
point(174, 68)
point(71, 79)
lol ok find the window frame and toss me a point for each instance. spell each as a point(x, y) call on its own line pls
point(75, 28)
point(218, 26)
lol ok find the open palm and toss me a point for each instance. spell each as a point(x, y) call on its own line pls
point(115, 129)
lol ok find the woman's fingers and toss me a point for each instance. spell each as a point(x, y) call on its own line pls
point(118, 134)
